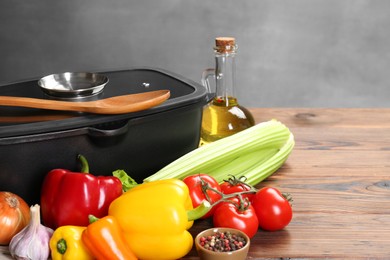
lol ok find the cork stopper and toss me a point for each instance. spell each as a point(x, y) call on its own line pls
point(225, 44)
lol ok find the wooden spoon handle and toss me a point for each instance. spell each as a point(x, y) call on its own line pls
point(38, 103)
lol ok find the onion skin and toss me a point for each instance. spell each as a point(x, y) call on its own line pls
point(14, 216)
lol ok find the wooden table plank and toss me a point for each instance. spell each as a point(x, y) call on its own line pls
point(329, 117)
point(339, 177)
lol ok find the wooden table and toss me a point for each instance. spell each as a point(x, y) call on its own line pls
point(339, 177)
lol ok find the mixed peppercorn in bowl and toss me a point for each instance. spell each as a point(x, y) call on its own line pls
point(222, 244)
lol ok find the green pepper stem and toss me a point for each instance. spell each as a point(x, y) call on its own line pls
point(92, 219)
point(61, 246)
point(84, 164)
point(199, 211)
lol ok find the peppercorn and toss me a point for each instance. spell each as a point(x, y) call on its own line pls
point(222, 242)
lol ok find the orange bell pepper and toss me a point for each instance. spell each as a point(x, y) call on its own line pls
point(104, 239)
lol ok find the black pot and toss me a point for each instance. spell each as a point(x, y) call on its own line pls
point(34, 141)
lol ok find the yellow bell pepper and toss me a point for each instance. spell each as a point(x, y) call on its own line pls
point(66, 243)
point(154, 218)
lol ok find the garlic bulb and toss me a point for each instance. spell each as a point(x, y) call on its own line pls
point(32, 242)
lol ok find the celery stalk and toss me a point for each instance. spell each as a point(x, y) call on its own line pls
point(263, 171)
point(242, 164)
point(255, 153)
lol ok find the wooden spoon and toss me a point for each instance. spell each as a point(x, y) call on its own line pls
point(113, 105)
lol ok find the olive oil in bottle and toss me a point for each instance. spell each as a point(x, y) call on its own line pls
point(223, 116)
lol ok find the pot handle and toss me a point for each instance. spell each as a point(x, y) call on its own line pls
point(98, 132)
point(109, 130)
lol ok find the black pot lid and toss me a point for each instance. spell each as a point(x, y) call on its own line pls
point(16, 121)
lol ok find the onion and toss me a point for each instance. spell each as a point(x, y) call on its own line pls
point(14, 216)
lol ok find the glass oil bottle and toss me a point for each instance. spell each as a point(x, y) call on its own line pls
point(223, 116)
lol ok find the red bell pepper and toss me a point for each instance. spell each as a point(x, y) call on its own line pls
point(67, 198)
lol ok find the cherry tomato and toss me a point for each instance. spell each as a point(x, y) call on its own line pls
point(233, 185)
point(232, 214)
point(272, 209)
point(198, 186)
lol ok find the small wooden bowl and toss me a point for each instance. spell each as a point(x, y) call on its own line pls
point(206, 254)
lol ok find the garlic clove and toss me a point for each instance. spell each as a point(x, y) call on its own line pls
point(32, 242)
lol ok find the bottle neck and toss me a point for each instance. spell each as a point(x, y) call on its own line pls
point(225, 70)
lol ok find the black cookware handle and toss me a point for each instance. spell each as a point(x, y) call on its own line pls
point(108, 130)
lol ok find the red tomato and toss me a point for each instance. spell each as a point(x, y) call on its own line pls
point(234, 185)
point(272, 209)
point(230, 215)
point(197, 185)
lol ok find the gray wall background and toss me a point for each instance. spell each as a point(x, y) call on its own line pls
point(292, 53)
